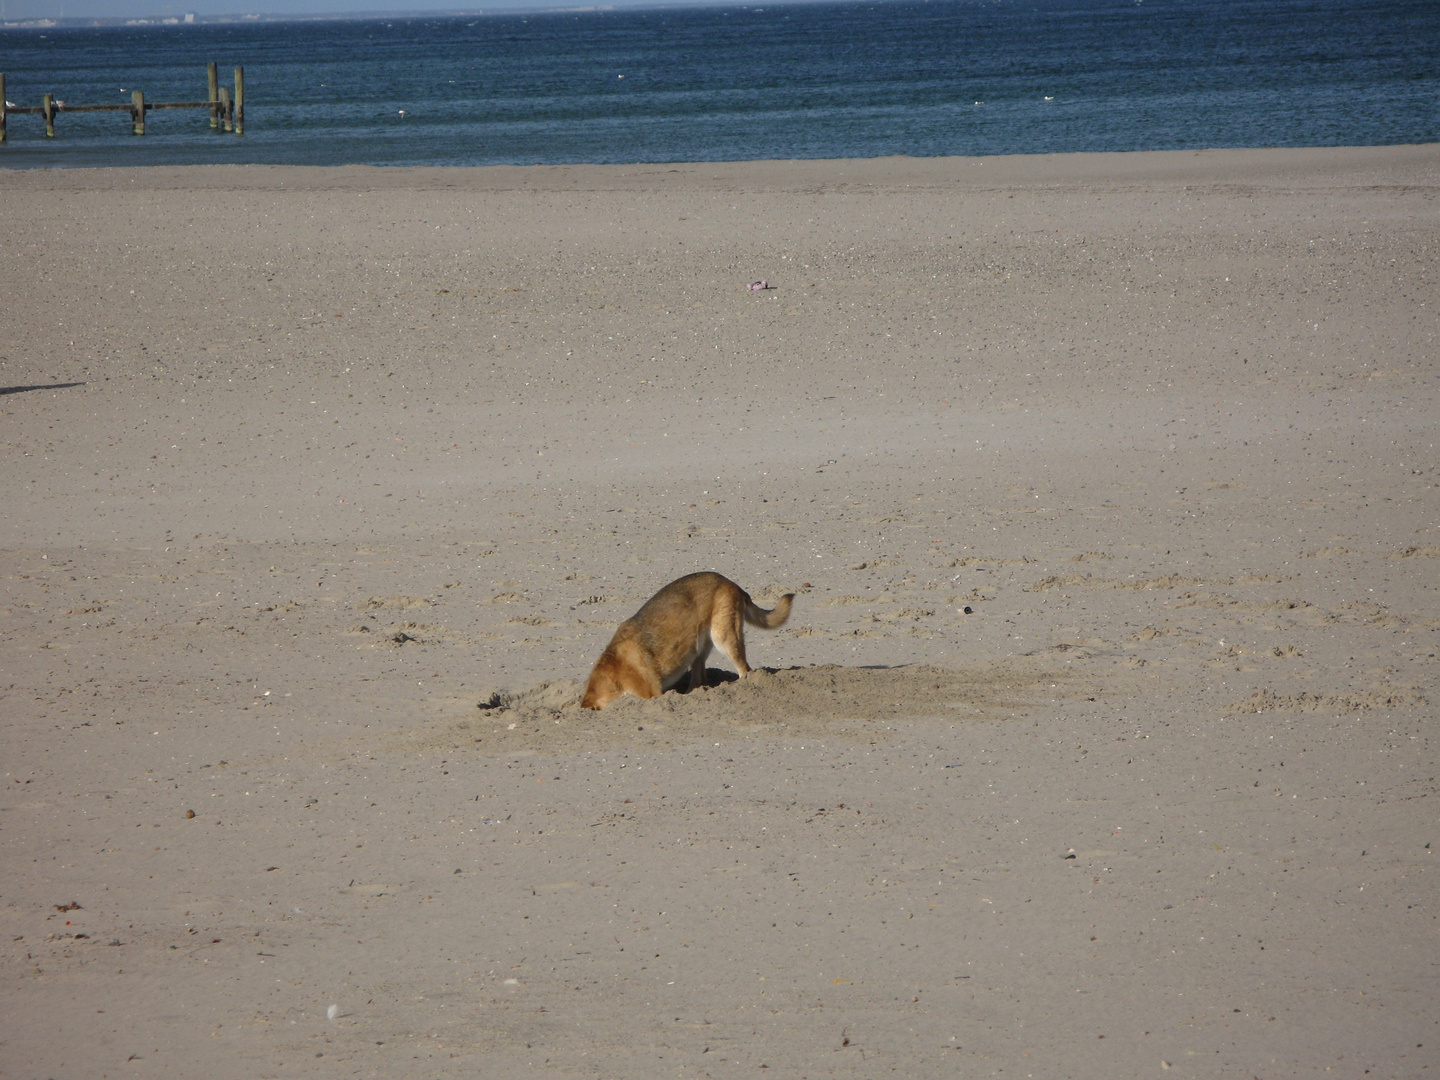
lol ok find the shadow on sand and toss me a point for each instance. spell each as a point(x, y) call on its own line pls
point(44, 386)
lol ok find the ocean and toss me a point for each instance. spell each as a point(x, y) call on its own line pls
point(820, 80)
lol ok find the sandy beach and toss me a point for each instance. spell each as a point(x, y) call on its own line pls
point(1102, 741)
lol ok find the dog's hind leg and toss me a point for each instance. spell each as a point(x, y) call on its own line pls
point(728, 633)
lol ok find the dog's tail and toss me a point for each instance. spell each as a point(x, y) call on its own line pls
point(768, 620)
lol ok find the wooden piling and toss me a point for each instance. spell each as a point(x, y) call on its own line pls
point(239, 100)
point(227, 114)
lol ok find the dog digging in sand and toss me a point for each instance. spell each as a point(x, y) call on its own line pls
point(673, 634)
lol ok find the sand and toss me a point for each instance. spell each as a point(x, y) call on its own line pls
point(1101, 742)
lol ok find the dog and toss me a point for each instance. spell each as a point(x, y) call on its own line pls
point(672, 634)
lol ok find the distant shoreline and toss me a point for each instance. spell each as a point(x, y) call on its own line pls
point(980, 172)
point(97, 22)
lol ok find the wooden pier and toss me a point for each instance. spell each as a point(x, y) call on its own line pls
point(227, 113)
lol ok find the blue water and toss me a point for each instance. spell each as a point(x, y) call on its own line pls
point(709, 84)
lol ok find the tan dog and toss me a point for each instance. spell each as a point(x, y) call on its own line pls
point(672, 635)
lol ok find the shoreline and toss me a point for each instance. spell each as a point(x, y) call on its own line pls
point(1149, 165)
